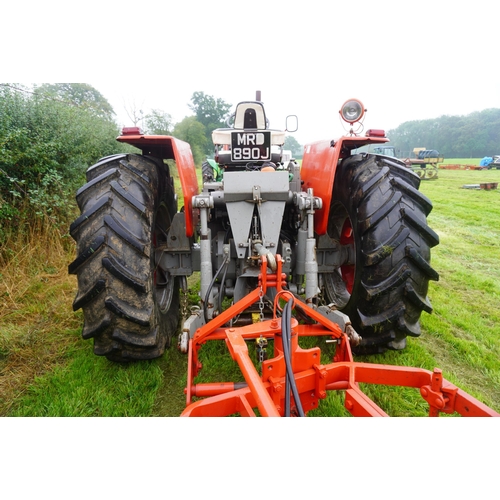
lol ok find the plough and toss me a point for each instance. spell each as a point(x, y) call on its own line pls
point(294, 380)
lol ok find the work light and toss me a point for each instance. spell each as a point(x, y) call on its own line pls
point(352, 111)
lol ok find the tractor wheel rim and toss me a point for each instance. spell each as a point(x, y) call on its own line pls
point(347, 270)
point(163, 282)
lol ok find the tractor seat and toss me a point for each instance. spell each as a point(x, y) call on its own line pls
point(250, 115)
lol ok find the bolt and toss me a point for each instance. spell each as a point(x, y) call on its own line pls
point(349, 404)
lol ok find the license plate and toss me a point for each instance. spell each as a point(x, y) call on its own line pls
point(251, 146)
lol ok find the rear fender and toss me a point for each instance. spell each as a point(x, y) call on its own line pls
point(169, 148)
point(319, 166)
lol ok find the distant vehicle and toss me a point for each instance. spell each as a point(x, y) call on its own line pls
point(424, 163)
point(489, 162)
point(286, 156)
point(425, 157)
point(385, 150)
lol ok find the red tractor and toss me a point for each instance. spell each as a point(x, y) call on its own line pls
point(338, 246)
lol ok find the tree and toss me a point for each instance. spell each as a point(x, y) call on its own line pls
point(292, 144)
point(134, 113)
point(192, 131)
point(46, 144)
point(79, 94)
point(211, 112)
point(158, 123)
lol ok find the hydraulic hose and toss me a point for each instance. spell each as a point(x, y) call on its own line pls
point(222, 286)
point(286, 331)
point(224, 265)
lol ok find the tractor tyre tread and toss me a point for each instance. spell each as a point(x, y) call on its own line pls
point(392, 248)
point(114, 263)
point(207, 172)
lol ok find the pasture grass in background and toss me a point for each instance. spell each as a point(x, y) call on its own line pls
point(46, 369)
point(463, 333)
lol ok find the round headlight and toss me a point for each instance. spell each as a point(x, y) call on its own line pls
point(352, 111)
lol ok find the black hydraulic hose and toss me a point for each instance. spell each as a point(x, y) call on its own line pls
point(299, 310)
point(286, 329)
point(285, 335)
point(222, 285)
point(225, 262)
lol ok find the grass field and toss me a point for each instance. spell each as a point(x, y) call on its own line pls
point(46, 369)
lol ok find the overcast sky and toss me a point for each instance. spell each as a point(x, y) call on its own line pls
point(405, 60)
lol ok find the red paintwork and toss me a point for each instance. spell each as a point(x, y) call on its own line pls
point(348, 270)
point(166, 147)
point(319, 165)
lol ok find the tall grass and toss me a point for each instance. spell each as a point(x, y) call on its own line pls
point(35, 298)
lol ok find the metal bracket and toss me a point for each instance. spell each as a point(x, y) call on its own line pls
point(440, 399)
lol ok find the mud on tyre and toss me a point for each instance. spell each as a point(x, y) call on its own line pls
point(377, 209)
point(130, 304)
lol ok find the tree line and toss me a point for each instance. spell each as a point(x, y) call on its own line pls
point(471, 136)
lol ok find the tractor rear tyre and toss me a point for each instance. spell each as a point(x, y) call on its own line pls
point(130, 303)
point(207, 172)
point(378, 212)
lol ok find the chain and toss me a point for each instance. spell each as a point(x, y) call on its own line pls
point(261, 304)
point(261, 344)
point(184, 299)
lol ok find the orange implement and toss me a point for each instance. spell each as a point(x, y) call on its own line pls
point(266, 392)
